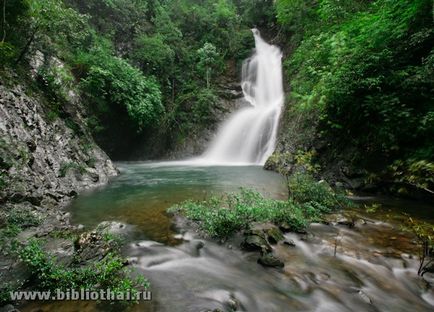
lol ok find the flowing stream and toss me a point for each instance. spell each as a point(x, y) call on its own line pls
point(373, 269)
point(249, 135)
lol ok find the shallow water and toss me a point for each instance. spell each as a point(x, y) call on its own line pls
point(333, 268)
point(141, 194)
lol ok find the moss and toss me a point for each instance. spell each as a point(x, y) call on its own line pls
point(66, 167)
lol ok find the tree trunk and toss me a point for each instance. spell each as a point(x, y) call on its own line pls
point(26, 47)
point(4, 21)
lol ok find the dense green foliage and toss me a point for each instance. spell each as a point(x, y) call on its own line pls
point(222, 216)
point(366, 68)
point(138, 64)
point(304, 189)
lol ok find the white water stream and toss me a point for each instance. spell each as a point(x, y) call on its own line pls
point(249, 135)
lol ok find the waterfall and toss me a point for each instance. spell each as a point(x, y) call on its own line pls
point(249, 135)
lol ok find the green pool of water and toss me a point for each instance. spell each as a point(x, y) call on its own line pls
point(143, 191)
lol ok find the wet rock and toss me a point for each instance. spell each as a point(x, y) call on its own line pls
point(274, 235)
point(364, 297)
point(91, 246)
point(233, 304)
point(132, 260)
point(197, 246)
point(269, 260)
point(62, 249)
point(255, 243)
point(8, 308)
point(113, 227)
point(267, 231)
point(346, 222)
point(289, 242)
point(285, 227)
point(339, 185)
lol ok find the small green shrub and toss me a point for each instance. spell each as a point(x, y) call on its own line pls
point(424, 233)
point(418, 173)
point(222, 216)
point(7, 53)
point(305, 190)
point(109, 273)
point(15, 220)
point(6, 289)
point(22, 218)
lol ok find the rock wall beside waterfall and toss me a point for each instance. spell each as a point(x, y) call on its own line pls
point(45, 160)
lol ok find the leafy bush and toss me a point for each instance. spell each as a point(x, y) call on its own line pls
point(304, 189)
point(418, 173)
point(109, 273)
point(153, 55)
point(222, 216)
point(22, 218)
point(7, 53)
point(114, 87)
point(424, 233)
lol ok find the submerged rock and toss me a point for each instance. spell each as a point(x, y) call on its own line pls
point(346, 222)
point(365, 297)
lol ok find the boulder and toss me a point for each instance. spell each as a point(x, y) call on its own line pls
point(274, 235)
point(267, 231)
point(289, 242)
point(255, 243)
point(269, 260)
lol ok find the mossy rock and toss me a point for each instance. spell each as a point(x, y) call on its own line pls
point(268, 260)
point(255, 243)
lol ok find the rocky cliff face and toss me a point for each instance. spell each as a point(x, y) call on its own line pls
point(44, 161)
point(230, 99)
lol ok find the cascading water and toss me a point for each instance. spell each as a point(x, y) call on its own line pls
point(249, 136)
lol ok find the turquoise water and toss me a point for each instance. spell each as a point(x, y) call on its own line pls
point(143, 191)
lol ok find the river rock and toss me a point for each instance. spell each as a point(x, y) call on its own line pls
point(91, 246)
point(8, 308)
point(289, 242)
point(285, 227)
point(267, 231)
point(364, 297)
point(346, 222)
point(269, 260)
point(274, 235)
point(113, 227)
point(255, 243)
